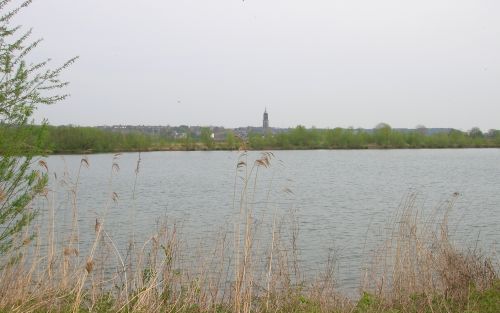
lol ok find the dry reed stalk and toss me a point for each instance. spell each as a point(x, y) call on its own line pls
point(419, 259)
point(153, 282)
point(82, 279)
point(244, 241)
point(247, 276)
point(32, 274)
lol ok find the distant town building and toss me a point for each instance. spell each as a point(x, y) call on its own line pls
point(265, 122)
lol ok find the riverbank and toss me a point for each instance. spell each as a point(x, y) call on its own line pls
point(82, 140)
point(204, 148)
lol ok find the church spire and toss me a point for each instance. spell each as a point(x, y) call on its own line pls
point(265, 121)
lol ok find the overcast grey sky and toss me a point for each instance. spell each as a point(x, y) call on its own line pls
point(322, 63)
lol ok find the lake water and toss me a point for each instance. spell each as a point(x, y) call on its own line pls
point(342, 199)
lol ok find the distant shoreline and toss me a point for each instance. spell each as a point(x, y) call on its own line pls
point(265, 149)
point(87, 140)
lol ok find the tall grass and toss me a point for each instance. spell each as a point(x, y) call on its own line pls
point(419, 260)
point(418, 268)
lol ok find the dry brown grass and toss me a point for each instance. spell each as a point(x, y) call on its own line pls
point(419, 258)
point(241, 274)
point(238, 273)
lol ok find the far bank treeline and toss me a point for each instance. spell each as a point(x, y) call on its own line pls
point(71, 139)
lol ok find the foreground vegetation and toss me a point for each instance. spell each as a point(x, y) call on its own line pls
point(417, 269)
point(45, 269)
point(70, 139)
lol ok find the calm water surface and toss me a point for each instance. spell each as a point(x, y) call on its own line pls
point(342, 199)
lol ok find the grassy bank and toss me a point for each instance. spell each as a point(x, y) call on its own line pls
point(78, 140)
point(417, 268)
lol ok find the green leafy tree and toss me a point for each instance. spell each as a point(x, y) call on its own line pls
point(282, 141)
point(493, 136)
point(397, 139)
point(333, 137)
point(298, 136)
point(231, 142)
point(256, 141)
point(353, 138)
point(188, 141)
point(475, 132)
point(457, 138)
point(416, 138)
point(206, 137)
point(382, 134)
point(23, 86)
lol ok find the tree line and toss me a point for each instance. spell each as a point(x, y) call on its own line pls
point(382, 137)
point(74, 139)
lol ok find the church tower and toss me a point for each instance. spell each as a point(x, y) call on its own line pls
point(265, 121)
